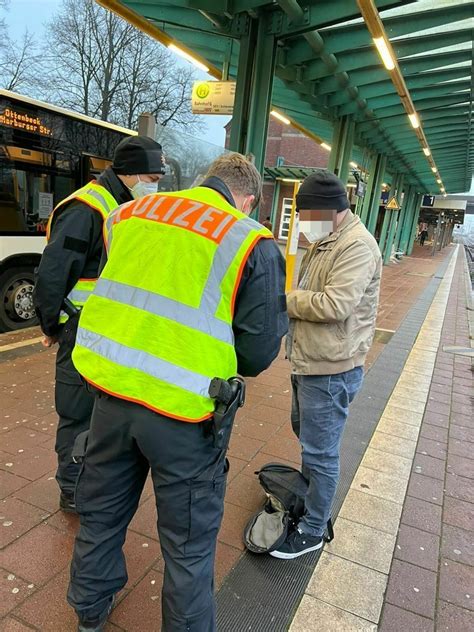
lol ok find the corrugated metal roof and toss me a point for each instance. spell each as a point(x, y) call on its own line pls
point(433, 43)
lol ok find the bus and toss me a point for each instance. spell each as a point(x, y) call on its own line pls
point(46, 153)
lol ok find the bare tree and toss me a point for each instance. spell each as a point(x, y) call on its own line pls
point(153, 82)
point(81, 55)
point(18, 61)
point(194, 156)
point(102, 66)
point(4, 5)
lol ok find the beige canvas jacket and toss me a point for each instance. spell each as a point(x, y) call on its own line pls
point(333, 310)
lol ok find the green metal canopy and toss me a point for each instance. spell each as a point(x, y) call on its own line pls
point(294, 173)
point(289, 173)
point(327, 68)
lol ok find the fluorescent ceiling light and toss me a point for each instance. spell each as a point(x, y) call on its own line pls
point(182, 53)
point(442, 189)
point(280, 117)
point(439, 181)
point(426, 150)
point(384, 184)
point(351, 185)
point(326, 146)
point(415, 123)
point(434, 170)
point(354, 165)
point(384, 53)
point(289, 180)
point(445, 195)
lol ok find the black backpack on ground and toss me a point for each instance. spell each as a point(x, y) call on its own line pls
point(285, 488)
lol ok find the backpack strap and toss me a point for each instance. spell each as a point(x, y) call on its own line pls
point(330, 536)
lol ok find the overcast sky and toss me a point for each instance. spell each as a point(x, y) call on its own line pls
point(32, 14)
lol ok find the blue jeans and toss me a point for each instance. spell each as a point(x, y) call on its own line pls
point(320, 408)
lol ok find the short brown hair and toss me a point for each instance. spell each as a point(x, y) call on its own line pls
point(239, 174)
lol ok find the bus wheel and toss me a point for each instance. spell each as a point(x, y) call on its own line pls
point(16, 299)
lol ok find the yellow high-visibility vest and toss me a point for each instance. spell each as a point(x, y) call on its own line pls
point(158, 326)
point(98, 199)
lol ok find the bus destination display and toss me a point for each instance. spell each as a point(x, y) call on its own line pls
point(11, 118)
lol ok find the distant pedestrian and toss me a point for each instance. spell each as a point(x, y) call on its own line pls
point(423, 236)
point(267, 223)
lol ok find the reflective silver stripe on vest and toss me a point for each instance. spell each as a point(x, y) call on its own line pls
point(144, 362)
point(101, 199)
point(223, 259)
point(109, 222)
point(166, 307)
point(78, 296)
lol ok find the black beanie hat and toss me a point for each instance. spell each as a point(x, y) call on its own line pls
point(322, 190)
point(138, 155)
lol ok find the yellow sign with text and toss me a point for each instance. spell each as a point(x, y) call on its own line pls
point(213, 97)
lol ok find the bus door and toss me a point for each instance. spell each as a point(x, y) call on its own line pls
point(32, 183)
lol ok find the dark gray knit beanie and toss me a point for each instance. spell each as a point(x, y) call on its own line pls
point(322, 190)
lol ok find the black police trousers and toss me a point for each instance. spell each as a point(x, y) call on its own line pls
point(74, 405)
point(127, 440)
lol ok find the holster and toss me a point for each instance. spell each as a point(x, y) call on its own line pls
point(229, 397)
point(70, 309)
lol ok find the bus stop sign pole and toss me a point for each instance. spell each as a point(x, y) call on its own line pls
point(292, 242)
point(147, 125)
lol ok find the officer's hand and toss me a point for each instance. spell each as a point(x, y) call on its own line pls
point(49, 341)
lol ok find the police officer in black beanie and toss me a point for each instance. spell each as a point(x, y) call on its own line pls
point(67, 274)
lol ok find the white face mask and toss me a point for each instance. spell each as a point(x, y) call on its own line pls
point(313, 237)
point(315, 229)
point(140, 189)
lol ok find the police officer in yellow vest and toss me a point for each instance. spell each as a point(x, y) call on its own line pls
point(193, 289)
point(68, 270)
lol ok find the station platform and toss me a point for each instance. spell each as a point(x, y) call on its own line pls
point(402, 558)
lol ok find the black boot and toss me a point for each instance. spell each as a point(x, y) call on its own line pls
point(98, 624)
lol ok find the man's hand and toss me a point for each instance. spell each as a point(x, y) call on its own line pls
point(49, 341)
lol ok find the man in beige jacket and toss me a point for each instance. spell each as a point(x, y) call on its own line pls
point(332, 325)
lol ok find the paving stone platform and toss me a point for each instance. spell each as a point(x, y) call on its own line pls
point(431, 580)
point(403, 557)
point(36, 539)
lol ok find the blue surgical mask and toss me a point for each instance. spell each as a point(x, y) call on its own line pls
point(140, 189)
